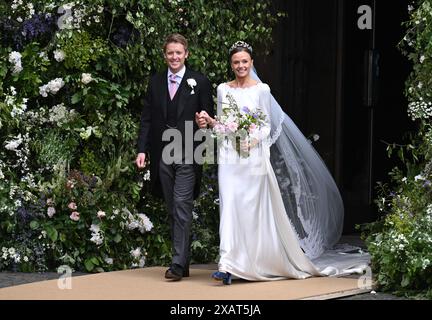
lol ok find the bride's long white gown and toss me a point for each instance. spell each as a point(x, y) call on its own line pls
point(257, 240)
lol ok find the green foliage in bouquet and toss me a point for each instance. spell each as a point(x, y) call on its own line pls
point(72, 79)
point(400, 243)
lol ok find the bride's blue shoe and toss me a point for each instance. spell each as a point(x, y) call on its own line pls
point(225, 277)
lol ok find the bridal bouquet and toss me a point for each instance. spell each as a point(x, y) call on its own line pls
point(238, 125)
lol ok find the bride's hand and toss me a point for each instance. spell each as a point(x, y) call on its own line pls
point(248, 144)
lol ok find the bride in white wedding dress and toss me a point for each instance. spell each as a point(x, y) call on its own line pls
point(280, 210)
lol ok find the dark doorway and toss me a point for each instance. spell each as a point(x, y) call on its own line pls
point(318, 72)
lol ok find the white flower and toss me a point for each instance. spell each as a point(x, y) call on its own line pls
point(86, 78)
point(404, 179)
point(97, 236)
point(146, 224)
point(141, 263)
point(192, 83)
point(43, 55)
point(14, 144)
point(51, 87)
point(55, 85)
point(95, 228)
point(147, 176)
point(97, 239)
point(419, 177)
point(136, 253)
point(422, 58)
point(69, 5)
point(51, 211)
point(43, 90)
point(17, 258)
point(133, 225)
point(425, 263)
point(59, 55)
point(11, 251)
point(26, 259)
point(101, 214)
point(57, 114)
point(15, 59)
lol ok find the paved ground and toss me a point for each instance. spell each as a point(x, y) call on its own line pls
point(370, 296)
point(8, 279)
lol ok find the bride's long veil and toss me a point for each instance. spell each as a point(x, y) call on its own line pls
point(311, 198)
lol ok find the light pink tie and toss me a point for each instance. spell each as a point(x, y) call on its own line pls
point(172, 86)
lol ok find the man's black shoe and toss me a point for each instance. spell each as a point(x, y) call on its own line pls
point(186, 272)
point(175, 272)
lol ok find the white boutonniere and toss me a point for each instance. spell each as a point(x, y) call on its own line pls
point(192, 83)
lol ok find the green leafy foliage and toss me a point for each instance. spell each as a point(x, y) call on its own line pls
point(400, 242)
point(71, 89)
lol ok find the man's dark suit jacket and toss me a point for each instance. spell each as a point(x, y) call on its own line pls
point(154, 118)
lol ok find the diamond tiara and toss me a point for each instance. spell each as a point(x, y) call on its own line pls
point(240, 44)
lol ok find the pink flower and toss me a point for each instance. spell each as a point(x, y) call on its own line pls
point(219, 128)
point(75, 216)
point(72, 206)
point(232, 126)
point(252, 128)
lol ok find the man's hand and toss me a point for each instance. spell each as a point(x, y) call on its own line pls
point(140, 160)
point(203, 119)
point(200, 120)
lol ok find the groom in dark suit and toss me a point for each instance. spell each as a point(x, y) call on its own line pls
point(174, 100)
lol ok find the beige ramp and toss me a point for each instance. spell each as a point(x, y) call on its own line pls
point(149, 284)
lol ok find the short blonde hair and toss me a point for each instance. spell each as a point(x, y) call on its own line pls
point(176, 38)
